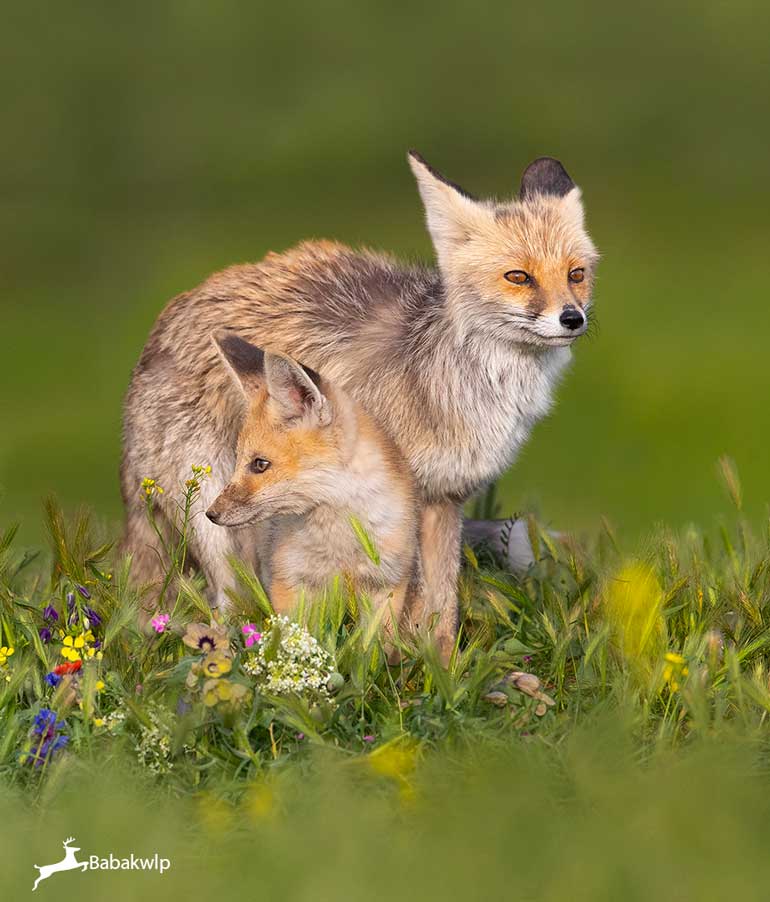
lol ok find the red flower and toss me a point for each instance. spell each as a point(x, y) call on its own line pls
point(69, 667)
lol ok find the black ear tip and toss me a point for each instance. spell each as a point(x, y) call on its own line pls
point(415, 155)
point(242, 355)
point(545, 175)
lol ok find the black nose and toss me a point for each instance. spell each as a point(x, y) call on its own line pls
point(213, 515)
point(571, 318)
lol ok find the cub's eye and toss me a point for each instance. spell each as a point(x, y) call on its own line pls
point(577, 275)
point(517, 276)
point(259, 465)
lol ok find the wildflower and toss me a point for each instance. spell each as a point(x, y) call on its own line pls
point(69, 667)
point(368, 738)
point(99, 685)
point(98, 721)
point(633, 604)
point(160, 622)
point(5, 652)
point(45, 634)
point(47, 737)
point(205, 638)
point(53, 679)
point(215, 691)
point(250, 634)
point(674, 670)
point(84, 592)
point(216, 664)
point(300, 736)
point(153, 744)
point(50, 613)
point(72, 646)
point(91, 618)
point(289, 660)
point(150, 487)
point(199, 474)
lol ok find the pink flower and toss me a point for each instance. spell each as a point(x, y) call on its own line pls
point(160, 622)
point(368, 738)
point(251, 636)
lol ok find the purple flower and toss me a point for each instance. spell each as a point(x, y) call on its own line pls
point(50, 613)
point(45, 634)
point(251, 636)
point(53, 679)
point(84, 592)
point(93, 618)
point(70, 600)
point(160, 622)
point(300, 736)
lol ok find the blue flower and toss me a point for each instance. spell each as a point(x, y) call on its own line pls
point(50, 733)
point(50, 613)
point(84, 592)
point(46, 724)
point(45, 634)
point(53, 679)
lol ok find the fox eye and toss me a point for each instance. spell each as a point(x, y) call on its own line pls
point(259, 465)
point(517, 276)
point(577, 275)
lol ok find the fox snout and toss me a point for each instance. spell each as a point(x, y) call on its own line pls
point(572, 318)
point(224, 506)
point(213, 514)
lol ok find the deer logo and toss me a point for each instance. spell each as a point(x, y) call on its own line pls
point(68, 863)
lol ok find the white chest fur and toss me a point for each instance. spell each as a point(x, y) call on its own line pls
point(491, 410)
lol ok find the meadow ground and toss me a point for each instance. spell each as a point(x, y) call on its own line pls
point(599, 734)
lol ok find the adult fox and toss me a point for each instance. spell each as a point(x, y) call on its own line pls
point(457, 363)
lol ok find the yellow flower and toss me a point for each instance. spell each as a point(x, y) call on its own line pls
point(98, 721)
point(674, 670)
point(99, 685)
point(150, 487)
point(5, 652)
point(215, 691)
point(216, 664)
point(633, 605)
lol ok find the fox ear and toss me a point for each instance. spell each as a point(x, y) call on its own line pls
point(452, 214)
point(545, 176)
point(294, 391)
point(244, 361)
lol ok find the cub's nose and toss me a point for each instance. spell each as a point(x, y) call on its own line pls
point(213, 515)
point(571, 318)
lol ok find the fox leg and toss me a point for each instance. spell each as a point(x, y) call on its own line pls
point(436, 588)
point(283, 596)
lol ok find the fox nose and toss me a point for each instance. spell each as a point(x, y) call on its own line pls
point(571, 318)
point(213, 515)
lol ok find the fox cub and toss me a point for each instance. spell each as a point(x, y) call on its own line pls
point(309, 459)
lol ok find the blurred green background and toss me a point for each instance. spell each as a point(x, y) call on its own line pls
point(148, 145)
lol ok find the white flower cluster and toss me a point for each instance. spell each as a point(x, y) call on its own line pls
point(153, 745)
point(115, 720)
point(297, 664)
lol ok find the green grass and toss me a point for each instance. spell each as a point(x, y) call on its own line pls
point(413, 777)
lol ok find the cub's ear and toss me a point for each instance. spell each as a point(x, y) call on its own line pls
point(451, 213)
point(294, 391)
point(244, 361)
point(545, 176)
